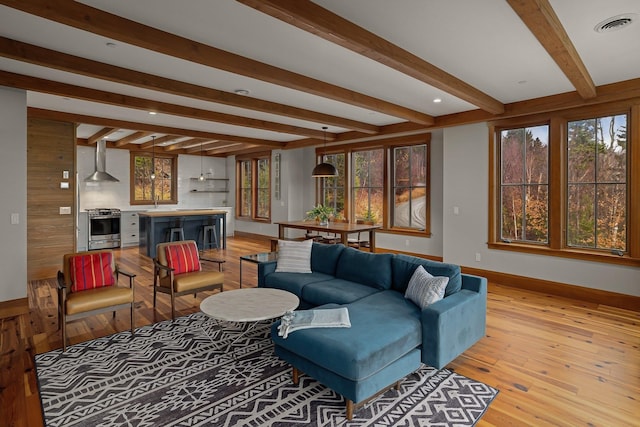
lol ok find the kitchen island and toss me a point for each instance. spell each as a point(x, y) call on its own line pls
point(154, 226)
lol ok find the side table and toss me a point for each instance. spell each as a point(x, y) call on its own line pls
point(257, 259)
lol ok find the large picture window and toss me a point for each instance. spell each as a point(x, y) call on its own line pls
point(524, 190)
point(563, 187)
point(368, 185)
point(410, 186)
point(597, 183)
point(386, 182)
point(153, 179)
point(253, 195)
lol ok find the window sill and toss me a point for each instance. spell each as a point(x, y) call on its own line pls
point(566, 253)
point(404, 232)
point(247, 219)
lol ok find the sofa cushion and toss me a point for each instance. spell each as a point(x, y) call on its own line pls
point(384, 327)
point(294, 257)
point(293, 282)
point(405, 265)
point(337, 291)
point(325, 257)
point(425, 289)
point(365, 267)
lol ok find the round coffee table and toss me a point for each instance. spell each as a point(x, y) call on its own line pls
point(250, 305)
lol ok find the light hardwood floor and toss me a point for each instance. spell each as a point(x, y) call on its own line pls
point(556, 361)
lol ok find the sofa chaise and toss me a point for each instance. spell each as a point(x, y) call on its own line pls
point(390, 336)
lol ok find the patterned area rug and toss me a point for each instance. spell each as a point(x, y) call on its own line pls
point(190, 372)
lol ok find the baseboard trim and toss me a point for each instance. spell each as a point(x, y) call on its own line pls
point(597, 296)
point(14, 307)
point(252, 236)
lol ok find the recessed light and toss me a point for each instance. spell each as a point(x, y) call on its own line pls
point(437, 100)
point(242, 92)
point(615, 23)
point(110, 44)
point(153, 113)
point(521, 82)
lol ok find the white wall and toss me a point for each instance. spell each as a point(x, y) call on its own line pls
point(13, 193)
point(116, 194)
point(466, 160)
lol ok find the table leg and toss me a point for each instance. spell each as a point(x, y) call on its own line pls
point(372, 240)
point(280, 231)
point(240, 273)
point(344, 238)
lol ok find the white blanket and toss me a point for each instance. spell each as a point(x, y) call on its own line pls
point(304, 319)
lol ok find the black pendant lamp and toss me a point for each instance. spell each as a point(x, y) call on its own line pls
point(324, 169)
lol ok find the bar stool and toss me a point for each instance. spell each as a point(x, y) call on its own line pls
point(209, 234)
point(176, 228)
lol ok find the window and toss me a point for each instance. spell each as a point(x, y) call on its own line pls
point(253, 197)
point(332, 189)
point(524, 185)
point(410, 187)
point(368, 184)
point(387, 181)
point(162, 188)
point(563, 187)
point(597, 183)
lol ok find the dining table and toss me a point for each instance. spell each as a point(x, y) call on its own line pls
point(342, 229)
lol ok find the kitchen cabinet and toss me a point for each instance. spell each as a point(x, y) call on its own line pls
point(129, 228)
point(82, 232)
point(210, 185)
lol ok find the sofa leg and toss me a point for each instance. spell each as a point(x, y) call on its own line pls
point(349, 409)
point(295, 375)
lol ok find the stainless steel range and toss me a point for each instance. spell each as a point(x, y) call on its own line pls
point(104, 228)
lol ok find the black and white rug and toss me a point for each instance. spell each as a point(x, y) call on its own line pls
point(191, 373)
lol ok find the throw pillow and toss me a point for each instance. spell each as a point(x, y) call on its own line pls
point(294, 257)
point(183, 258)
point(424, 289)
point(91, 271)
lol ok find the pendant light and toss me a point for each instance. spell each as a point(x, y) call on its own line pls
point(324, 169)
point(153, 158)
point(201, 174)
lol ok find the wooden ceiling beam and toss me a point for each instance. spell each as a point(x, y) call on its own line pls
point(87, 94)
point(159, 140)
point(130, 138)
point(102, 133)
point(236, 149)
point(186, 143)
point(317, 20)
point(103, 121)
point(542, 21)
point(87, 18)
point(25, 52)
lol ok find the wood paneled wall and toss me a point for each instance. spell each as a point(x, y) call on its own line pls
point(50, 151)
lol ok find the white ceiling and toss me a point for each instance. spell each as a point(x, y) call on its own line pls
point(483, 43)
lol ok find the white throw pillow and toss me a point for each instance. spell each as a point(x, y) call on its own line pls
point(294, 257)
point(425, 289)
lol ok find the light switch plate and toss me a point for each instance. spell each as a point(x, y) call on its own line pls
point(64, 185)
point(65, 210)
point(65, 174)
point(15, 218)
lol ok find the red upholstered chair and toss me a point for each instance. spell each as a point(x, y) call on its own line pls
point(88, 285)
point(177, 271)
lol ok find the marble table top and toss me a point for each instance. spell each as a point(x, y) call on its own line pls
point(249, 304)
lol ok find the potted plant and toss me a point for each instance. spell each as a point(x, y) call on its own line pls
point(321, 214)
point(369, 217)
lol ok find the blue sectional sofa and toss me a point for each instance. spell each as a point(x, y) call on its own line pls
point(389, 336)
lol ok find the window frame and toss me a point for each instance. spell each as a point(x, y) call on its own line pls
point(386, 145)
point(173, 198)
point(558, 179)
point(254, 159)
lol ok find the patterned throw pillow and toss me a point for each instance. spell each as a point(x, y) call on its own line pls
point(424, 289)
point(91, 271)
point(294, 257)
point(183, 258)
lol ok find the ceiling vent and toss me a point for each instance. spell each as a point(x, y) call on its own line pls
point(615, 23)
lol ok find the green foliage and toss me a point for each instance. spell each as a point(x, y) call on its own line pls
point(320, 212)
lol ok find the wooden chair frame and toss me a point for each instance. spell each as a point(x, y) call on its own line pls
point(64, 318)
point(158, 267)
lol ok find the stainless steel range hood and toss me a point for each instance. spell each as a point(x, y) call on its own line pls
point(100, 174)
